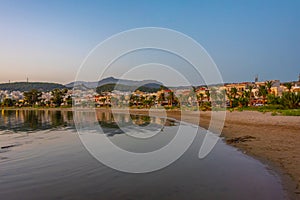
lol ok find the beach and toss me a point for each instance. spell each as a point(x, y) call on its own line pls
point(275, 140)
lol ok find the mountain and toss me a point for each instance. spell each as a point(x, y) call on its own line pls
point(112, 80)
point(146, 83)
point(27, 86)
point(82, 84)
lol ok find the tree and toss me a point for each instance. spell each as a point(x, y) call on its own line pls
point(288, 86)
point(213, 93)
point(32, 97)
point(114, 101)
point(230, 97)
point(221, 98)
point(207, 93)
point(194, 89)
point(244, 99)
point(103, 100)
point(200, 98)
point(7, 102)
point(149, 101)
point(183, 99)
point(250, 88)
point(290, 100)
point(122, 99)
point(142, 100)
point(105, 88)
point(134, 99)
point(170, 98)
point(262, 92)
point(234, 92)
point(161, 97)
point(272, 99)
point(57, 96)
point(69, 100)
point(269, 84)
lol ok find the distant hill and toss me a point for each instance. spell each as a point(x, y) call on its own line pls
point(111, 80)
point(82, 84)
point(146, 83)
point(120, 87)
point(24, 86)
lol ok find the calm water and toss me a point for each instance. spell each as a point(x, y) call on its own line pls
point(41, 157)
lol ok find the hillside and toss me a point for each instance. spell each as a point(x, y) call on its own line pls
point(146, 83)
point(111, 80)
point(120, 87)
point(24, 86)
point(84, 84)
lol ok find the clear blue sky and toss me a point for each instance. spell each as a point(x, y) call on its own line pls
point(47, 40)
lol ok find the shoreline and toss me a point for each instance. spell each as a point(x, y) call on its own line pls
point(274, 140)
point(262, 137)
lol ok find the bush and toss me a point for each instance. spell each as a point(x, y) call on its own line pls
point(274, 113)
point(290, 100)
point(272, 99)
point(274, 107)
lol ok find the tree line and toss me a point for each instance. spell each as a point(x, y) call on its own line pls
point(28, 86)
point(34, 98)
point(113, 86)
point(288, 99)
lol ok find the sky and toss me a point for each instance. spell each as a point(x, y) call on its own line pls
point(48, 40)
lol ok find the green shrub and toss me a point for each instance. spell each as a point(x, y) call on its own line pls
point(274, 113)
point(291, 112)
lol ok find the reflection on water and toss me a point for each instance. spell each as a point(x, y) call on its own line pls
point(36, 120)
point(55, 165)
point(129, 119)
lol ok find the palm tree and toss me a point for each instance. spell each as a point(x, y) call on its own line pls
point(234, 92)
point(221, 98)
point(161, 97)
point(269, 84)
point(200, 98)
point(134, 99)
point(288, 86)
point(262, 92)
point(183, 99)
point(142, 100)
point(230, 97)
point(246, 97)
point(250, 88)
point(207, 93)
point(152, 100)
point(213, 93)
point(170, 98)
point(194, 89)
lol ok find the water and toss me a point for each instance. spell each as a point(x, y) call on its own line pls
point(43, 158)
